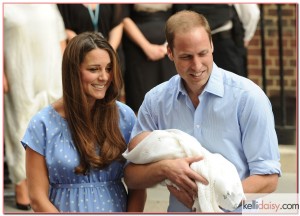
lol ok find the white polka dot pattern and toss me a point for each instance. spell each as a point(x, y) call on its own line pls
point(99, 190)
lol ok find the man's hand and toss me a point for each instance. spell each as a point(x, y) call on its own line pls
point(178, 171)
point(182, 196)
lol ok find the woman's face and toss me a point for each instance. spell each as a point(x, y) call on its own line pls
point(96, 76)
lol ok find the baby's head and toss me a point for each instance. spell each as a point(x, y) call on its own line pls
point(137, 139)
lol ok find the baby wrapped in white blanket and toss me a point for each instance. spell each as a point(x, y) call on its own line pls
point(224, 189)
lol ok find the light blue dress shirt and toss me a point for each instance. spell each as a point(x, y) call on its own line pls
point(234, 118)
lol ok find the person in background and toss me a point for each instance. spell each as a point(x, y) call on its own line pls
point(104, 18)
point(227, 113)
point(34, 39)
point(233, 26)
point(144, 42)
point(246, 18)
point(74, 146)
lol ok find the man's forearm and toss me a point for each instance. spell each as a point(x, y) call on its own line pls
point(143, 176)
point(260, 183)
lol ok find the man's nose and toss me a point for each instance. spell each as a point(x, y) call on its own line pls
point(197, 63)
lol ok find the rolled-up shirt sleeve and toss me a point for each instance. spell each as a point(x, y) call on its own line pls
point(259, 139)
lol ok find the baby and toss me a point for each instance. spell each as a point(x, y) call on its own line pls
point(224, 189)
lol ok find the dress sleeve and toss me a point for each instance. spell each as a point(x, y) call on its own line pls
point(127, 120)
point(35, 135)
point(126, 10)
point(118, 15)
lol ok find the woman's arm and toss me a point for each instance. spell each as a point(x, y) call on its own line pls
point(63, 45)
point(5, 83)
point(115, 36)
point(153, 51)
point(136, 200)
point(38, 183)
point(70, 34)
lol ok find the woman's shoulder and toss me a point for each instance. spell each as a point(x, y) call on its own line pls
point(124, 108)
point(46, 115)
point(43, 112)
point(127, 119)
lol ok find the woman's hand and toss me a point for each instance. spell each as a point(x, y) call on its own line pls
point(5, 84)
point(155, 52)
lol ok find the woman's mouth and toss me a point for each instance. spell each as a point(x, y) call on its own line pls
point(97, 86)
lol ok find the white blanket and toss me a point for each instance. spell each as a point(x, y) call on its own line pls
point(224, 188)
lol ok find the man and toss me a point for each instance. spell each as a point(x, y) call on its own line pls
point(226, 113)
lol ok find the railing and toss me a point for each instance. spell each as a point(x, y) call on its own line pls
point(286, 133)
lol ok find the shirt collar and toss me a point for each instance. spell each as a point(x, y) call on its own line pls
point(214, 85)
point(181, 88)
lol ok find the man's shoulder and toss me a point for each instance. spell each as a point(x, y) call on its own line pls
point(245, 88)
point(238, 82)
point(167, 87)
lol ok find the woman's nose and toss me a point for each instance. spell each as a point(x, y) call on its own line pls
point(103, 75)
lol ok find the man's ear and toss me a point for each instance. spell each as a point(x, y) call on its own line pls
point(169, 52)
point(212, 46)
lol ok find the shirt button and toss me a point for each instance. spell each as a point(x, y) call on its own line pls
point(197, 126)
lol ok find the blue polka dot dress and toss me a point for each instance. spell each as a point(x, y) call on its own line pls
point(98, 191)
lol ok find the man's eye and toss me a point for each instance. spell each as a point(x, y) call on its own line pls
point(185, 57)
point(204, 53)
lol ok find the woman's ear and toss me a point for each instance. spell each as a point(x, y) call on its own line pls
point(169, 52)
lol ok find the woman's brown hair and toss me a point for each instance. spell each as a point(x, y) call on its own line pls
point(95, 130)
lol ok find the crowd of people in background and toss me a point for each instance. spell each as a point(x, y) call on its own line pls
point(64, 66)
point(136, 31)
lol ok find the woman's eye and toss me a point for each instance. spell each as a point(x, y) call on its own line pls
point(109, 69)
point(93, 69)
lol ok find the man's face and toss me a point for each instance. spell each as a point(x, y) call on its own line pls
point(193, 59)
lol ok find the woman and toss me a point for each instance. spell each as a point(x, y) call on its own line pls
point(104, 18)
point(145, 50)
point(34, 38)
point(74, 146)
